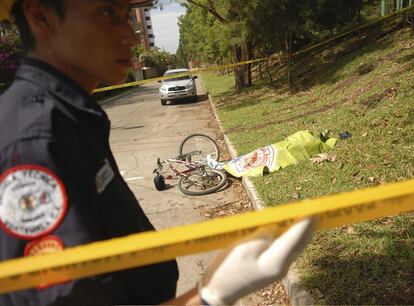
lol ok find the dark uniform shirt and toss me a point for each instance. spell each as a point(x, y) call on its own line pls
point(62, 184)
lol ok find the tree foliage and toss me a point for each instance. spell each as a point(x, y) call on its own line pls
point(160, 59)
point(203, 37)
point(214, 31)
point(10, 54)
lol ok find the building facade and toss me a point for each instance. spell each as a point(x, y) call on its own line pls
point(141, 18)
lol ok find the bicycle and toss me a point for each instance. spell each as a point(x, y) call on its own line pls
point(205, 145)
point(196, 177)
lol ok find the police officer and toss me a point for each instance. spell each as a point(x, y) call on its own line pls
point(59, 183)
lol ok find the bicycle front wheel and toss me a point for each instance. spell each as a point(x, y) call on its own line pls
point(202, 182)
point(199, 146)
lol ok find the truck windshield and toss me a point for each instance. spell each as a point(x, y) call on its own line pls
point(181, 78)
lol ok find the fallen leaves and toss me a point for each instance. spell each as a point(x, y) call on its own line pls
point(350, 230)
point(388, 221)
point(340, 247)
point(386, 162)
point(295, 195)
point(320, 158)
point(230, 208)
point(271, 295)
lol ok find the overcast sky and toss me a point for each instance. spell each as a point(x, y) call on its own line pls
point(165, 25)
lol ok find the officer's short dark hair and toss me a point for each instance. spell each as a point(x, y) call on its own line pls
point(27, 38)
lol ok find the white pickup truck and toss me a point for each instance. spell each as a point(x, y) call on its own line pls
point(181, 87)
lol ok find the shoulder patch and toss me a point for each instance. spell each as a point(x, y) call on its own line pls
point(44, 246)
point(33, 201)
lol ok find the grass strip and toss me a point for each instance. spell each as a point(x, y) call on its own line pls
point(366, 90)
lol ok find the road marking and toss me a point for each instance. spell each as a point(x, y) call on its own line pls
point(130, 179)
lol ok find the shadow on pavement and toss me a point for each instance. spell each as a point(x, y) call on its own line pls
point(139, 94)
point(128, 127)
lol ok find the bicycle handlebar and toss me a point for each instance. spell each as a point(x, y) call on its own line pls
point(178, 158)
point(159, 166)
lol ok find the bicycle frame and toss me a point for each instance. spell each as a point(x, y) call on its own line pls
point(181, 160)
point(195, 179)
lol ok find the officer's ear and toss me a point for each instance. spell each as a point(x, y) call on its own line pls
point(39, 18)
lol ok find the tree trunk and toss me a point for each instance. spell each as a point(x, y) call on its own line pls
point(238, 70)
point(268, 71)
point(243, 73)
point(249, 75)
point(411, 21)
point(260, 71)
point(248, 67)
point(288, 45)
point(223, 71)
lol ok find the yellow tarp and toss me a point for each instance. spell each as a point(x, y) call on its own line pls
point(299, 146)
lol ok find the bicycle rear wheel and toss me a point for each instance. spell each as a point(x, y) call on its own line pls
point(202, 182)
point(201, 145)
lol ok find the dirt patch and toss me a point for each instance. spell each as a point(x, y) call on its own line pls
point(345, 83)
point(365, 68)
point(394, 55)
point(272, 295)
point(373, 101)
point(232, 208)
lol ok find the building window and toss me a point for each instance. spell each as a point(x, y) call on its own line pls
point(149, 27)
point(150, 35)
point(147, 18)
point(151, 44)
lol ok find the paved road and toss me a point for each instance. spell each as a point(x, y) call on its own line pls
point(142, 130)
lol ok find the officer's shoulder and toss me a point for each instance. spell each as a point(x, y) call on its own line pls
point(27, 111)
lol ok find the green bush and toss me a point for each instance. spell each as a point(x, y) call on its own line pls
point(10, 54)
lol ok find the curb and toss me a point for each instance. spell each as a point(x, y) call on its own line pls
point(291, 282)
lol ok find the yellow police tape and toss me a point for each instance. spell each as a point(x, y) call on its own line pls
point(282, 58)
point(177, 75)
point(153, 247)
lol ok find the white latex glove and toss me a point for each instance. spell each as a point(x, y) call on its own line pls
point(254, 264)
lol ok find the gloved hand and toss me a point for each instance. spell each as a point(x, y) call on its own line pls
point(254, 264)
